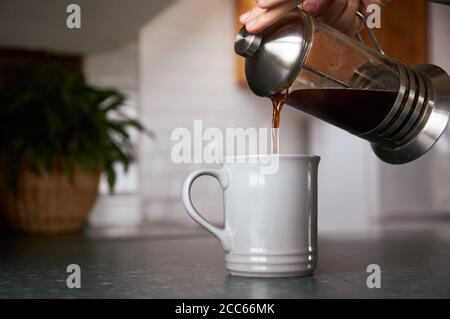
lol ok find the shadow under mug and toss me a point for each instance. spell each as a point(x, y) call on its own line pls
point(270, 222)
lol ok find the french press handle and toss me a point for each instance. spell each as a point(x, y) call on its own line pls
point(371, 34)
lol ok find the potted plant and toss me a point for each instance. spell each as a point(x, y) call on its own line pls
point(56, 136)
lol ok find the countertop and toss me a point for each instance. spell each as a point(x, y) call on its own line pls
point(192, 266)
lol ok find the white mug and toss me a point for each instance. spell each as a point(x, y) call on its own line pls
point(270, 222)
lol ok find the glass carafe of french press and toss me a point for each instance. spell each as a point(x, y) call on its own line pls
point(401, 111)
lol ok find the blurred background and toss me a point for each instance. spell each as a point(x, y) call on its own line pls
point(174, 63)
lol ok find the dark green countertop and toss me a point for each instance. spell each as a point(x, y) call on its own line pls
point(192, 266)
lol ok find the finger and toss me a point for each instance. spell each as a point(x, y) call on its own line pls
point(354, 28)
point(333, 11)
point(250, 15)
point(344, 21)
point(363, 10)
point(270, 16)
point(268, 4)
point(316, 7)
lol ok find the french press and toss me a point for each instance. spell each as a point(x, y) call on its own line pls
point(401, 111)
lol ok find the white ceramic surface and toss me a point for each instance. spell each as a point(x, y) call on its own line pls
point(270, 219)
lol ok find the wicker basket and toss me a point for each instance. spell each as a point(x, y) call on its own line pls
point(49, 203)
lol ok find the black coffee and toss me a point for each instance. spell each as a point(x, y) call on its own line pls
point(355, 110)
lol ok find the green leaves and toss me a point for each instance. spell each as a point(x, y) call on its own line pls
point(49, 115)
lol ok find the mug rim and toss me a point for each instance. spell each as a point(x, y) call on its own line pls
point(280, 156)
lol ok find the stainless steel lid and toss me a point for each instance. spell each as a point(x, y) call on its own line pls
point(275, 56)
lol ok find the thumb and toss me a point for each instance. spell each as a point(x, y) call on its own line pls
point(315, 7)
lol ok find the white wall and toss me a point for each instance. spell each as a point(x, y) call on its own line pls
point(187, 73)
point(347, 180)
point(440, 55)
point(117, 69)
point(438, 33)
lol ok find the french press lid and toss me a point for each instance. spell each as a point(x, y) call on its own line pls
point(275, 56)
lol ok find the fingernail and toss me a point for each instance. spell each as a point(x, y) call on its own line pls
point(251, 23)
point(243, 18)
point(262, 2)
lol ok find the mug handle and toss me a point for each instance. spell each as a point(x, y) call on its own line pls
point(222, 177)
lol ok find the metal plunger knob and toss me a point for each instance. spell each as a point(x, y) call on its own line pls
point(246, 44)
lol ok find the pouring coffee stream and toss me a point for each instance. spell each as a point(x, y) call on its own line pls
point(401, 111)
point(278, 101)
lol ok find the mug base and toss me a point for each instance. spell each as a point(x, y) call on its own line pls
point(270, 275)
point(280, 265)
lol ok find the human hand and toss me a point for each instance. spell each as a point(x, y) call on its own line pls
point(340, 14)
